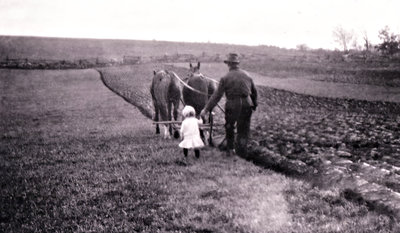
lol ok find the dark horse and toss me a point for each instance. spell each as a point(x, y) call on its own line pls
point(201, 89)
point(166, 93)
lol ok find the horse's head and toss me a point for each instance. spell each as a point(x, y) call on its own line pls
point(194, 69)
point(160, 74)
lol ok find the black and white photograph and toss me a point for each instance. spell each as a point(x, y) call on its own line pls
point(200, 116)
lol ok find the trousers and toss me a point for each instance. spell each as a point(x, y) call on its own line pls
point(237, 114)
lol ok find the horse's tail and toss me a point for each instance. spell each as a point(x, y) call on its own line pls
point(175, 86)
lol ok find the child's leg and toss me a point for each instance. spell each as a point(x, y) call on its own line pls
point(185, 152)
point(197, 153)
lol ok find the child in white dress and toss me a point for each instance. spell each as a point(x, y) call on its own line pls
point(190, 132)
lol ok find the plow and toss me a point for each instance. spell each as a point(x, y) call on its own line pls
point(209, 127)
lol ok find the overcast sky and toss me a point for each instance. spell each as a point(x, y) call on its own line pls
point(283, 23)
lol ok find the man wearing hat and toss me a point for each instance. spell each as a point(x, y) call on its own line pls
point(241, 101)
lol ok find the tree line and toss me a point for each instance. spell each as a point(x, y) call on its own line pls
point(390, 42)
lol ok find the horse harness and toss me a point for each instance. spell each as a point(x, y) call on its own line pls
point(197, 91)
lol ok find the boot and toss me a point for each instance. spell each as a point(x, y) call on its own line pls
point(230, 152)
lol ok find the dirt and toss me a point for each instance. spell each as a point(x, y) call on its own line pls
point(333, 142)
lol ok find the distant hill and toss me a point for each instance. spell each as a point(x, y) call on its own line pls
point(67, 53)
point(20, 47)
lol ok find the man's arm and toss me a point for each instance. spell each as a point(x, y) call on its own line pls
point(217, 95)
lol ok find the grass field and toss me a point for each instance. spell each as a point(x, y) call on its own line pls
point(75, 157)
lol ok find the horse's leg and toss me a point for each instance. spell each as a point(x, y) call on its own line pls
point(202, 136)
point(156, 110)
point(211, 121)
point(169, 116)
point(166, 132)
point(156, 119)
point(176, 106)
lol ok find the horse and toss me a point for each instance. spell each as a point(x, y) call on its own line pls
point(166, 93)
point(198, 93)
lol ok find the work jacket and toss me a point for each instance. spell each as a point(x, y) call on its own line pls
point(236, 84)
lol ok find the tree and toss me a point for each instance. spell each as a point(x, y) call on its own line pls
point(391, 42)
point(367, 42)
point(355, 43)
point(342, 37)
point(302, 47)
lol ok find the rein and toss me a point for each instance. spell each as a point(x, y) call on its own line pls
point(197, 91)
point(191, 88)
point(209, 78)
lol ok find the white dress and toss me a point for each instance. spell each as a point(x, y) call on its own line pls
point(191, 133)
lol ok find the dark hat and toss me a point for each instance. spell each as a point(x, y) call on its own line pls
point(232, 58)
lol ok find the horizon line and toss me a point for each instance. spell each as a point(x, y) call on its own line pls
point(156, 40)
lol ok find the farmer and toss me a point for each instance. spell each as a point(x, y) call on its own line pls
point(241, 95)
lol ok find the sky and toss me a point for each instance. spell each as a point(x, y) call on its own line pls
point(282, 23)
